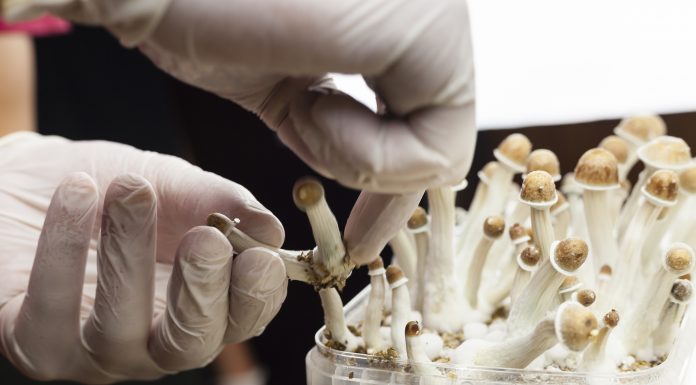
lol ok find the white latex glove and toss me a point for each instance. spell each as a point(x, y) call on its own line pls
point(265, 55)
point(416, 55)
point(104, 273)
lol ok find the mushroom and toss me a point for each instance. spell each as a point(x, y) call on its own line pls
point(527, 263)
point(539, 193)
point(493, 228)
point(418, 225)
point(585, 297)
point(620, 148)
point(573, 325)
point(401, 307)
point(594, 359)
point(330, 253)
point(544, 160)
point(671, 316)
point(480, 195)
point(638, 130)
point(571, 284)
point(375, 306)
point(597, 173)
point(540, 293)
point(417, 357)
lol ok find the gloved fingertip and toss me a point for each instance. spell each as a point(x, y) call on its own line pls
point(259, 223)
point(77, 191)
point(258, 272)
point(204, 246)
point(131, 189)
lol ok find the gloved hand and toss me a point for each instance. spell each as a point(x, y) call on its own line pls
point(271, 57)
point(264, 55)
point(123, 283)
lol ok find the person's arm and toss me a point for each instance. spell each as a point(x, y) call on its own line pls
point(17, 104)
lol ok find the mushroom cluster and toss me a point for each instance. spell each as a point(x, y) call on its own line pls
point(528, 276)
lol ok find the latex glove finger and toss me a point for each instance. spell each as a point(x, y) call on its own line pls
point(374, 221)
point(190, 333)
point(258, 288)
point(382, 154)
point(117, 331)
point(47, 329)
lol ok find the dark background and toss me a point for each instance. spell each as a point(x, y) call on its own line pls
point(91, 88)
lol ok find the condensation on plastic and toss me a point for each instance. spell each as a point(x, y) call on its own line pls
point(330, 367)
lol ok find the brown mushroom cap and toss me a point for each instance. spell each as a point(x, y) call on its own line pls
point(412, 329)
point(544, 160)
point(687, 180)
point(418, 219)
point(597, 167)
point(575, 325)
point(490, 169)
point(586, 297)
point(376, 264)
point(394, 274)
point(642, 128)
point(611, 319)
point(664, 185)
point(530, 255)
point(681, 291)
point(307, 192)
point(570, 254)
point(679, 260)
point(538, 187)
point(605, 270)
point(494, 226)
point(666, 151)
point(617, 147)
point(516, 148)
point(517, 231)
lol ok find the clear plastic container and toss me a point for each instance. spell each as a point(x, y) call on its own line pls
point(326, 366)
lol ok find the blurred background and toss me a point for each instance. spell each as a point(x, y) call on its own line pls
point(89, 87)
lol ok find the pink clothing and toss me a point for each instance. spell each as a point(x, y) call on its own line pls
point(45, 25)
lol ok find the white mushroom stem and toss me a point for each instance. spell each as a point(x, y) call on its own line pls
point(375, 308)
point(632, 203)
point(417, 357)
point(543, 230)
point(418, 226)
point(475, 270)
point(663, 225)
point(671, 316)
point(404, 250)
point(562, 219)
point(401, 308)
point(335, 321)
point(594, 358)
point(475, 209)
point(524, 271)
point(572, 325)
point(331, 253)
point(578, 222)
point(508, 276)
point(493, 228)
point(296, 268)
point(441, 304)
point(541, 293)
point(600, 226)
